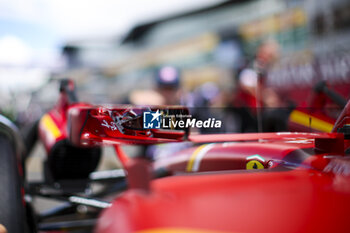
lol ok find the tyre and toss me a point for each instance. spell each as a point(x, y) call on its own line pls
point(12, 208)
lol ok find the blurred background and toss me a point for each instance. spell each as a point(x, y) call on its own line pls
point(114, 49)
point(213, 56)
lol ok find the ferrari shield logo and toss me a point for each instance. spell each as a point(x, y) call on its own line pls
point(255, 162)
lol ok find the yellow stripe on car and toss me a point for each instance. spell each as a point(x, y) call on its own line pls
point(196, 157)
point(315, 123)
point(48, 123)
point(177, 230)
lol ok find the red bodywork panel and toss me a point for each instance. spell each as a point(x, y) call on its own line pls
point(301, 184)
point(234, 156)
point(272, 149)
point(281, 201)
point(291, 193)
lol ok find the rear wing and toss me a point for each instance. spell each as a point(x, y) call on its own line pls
point(97, 125)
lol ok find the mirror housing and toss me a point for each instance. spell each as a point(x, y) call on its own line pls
point(108, 125)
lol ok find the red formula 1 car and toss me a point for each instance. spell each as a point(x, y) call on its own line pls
point(271, 182)
point(261, 182)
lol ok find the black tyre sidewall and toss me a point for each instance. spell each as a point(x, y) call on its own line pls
point(12, 209)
